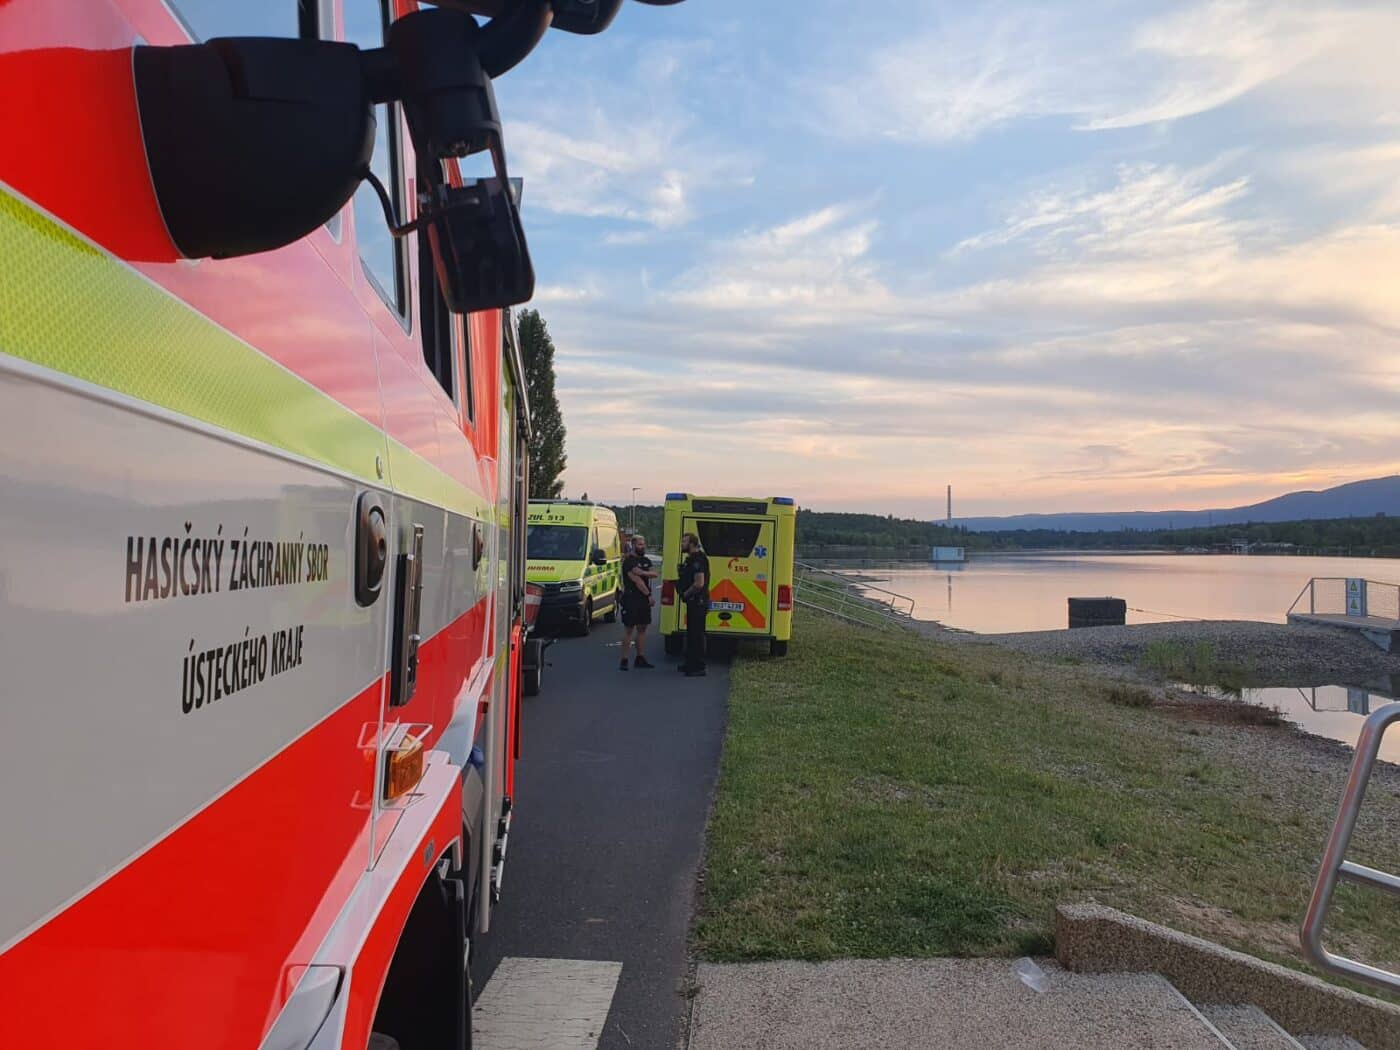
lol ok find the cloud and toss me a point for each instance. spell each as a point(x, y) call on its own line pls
point(1366, 177)
point(1207, 56)
point(560, 293)
point(1074, 315)
point(621, 172)
point(976, 68)
point(1148, 210)
point(968, 72)
point(1166, 243)
point(808, 267)
point(1142, 345)
point(625, 144)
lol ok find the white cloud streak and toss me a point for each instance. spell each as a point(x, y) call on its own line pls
point(981, 67)
point(623, 145)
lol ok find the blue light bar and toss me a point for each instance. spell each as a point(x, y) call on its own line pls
point(782, 501)
point(677, 495)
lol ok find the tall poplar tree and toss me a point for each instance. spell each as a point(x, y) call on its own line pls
point(547, 457)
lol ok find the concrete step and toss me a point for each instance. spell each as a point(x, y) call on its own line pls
point(1090, 938)
point(936, 1004)
point(1330, 1042)
point(1248, 1028)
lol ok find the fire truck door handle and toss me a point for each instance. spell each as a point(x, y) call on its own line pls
point(403, 673)
point(478, 545)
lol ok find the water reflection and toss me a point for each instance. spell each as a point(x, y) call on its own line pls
point(1336, 712)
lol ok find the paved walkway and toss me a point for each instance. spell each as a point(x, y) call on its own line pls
point(612, 793)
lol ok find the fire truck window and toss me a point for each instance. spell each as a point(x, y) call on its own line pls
point(462, 332)
point(382, 255)
point(728, 539)
point(435, 321)
point(555, 542)
point(206, 19)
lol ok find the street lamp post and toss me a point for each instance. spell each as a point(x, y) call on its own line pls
point(635, 489)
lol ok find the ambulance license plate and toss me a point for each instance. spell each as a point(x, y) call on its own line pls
point(727, 606)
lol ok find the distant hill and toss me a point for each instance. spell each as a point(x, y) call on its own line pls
point(1357, 499)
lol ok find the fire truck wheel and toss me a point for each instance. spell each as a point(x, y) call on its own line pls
point(382, 1042)
point(674, 644)
point(426, 996)
point(777, 647)
point(533, 671)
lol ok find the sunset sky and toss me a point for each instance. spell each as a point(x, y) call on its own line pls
point(1080, 256)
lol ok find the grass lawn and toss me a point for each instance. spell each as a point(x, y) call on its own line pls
point(882, 794)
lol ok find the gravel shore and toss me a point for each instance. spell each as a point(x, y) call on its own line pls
point(1274, 653)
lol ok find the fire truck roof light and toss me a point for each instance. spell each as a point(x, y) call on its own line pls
point(783, 501)
point(676, 495)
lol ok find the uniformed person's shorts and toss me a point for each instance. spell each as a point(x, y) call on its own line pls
point(636, 612)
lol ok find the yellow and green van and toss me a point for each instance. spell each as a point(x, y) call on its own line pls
point(750, 544)
point(573, 552)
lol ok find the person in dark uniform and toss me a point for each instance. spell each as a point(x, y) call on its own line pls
point(637, 600)
point(695, 592)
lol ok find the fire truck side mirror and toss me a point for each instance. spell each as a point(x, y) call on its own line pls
point(479, 250)
point(252, 142)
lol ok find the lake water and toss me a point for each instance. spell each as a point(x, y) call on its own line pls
point(1004, 593)
point(1334, 711)
point(1028, 592)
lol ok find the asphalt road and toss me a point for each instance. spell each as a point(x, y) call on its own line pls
point(612, 792)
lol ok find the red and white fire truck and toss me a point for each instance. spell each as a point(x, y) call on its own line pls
point(263, 456)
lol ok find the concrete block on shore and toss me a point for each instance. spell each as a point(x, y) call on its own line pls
point(1097, 612)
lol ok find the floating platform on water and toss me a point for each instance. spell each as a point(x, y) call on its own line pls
point(1380, 631)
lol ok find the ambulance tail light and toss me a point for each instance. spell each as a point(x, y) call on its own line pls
point(668, 592)
point(534, 596)
point(784, 598)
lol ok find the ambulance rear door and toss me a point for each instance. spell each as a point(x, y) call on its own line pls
point(740, 549)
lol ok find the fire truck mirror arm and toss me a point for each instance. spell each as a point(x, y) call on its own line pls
point(592, 16)
point(253, 142)
point(585, 17)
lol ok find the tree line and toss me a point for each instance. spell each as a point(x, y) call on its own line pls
point(1362, 536)
point(1379, 536)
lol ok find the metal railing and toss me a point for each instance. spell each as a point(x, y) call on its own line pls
point(1332, 596)
point(1335, 867)
point(849, 599)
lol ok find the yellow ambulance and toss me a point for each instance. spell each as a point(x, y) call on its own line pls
point(750, 546)
point(573, 551)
